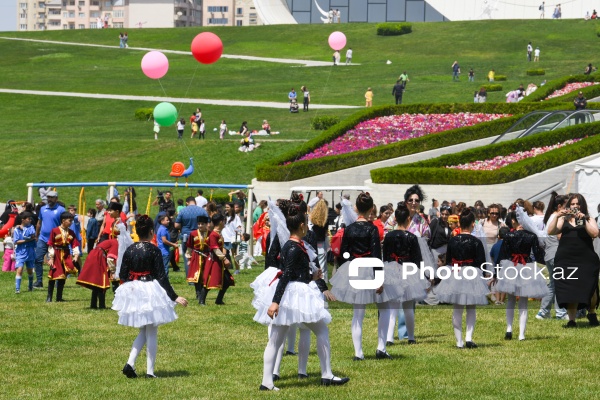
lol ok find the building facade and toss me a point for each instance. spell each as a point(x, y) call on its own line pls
point(229, 13)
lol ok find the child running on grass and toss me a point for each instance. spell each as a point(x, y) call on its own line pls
point(24, 238)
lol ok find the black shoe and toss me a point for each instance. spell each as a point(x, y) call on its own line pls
point(129, 371)
point(508, 336)
point(49, 299)
point(262, 387)
point(335, 381)
point(151, 376)
point(412, 342)
point(358, 358)
point(593, 319)
point(571, 324)
point(382, 355)
point(290, 353)
point(38, 285)
point(219, 303)
point(176, 270)
point(389, 343)
point(470, 345)
point(302, 376)
point(275, 377)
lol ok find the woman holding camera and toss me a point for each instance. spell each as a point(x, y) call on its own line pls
point(576, 264)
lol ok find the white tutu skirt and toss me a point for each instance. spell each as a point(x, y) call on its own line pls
point(143, 303)
point(264, 287)
point(521, 280)
point(345, 293)
point(465, 292)
point(400, 290)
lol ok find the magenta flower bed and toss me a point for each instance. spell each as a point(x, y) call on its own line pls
point(570, 87)
point(394, 128)
point(503, 161)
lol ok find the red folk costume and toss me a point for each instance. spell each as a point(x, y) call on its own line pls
point(214, 269)
point(60, 253)
point(96, 270)
point(197, 243)
point(261, 230)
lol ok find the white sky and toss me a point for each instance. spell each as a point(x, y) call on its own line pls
point(8, 15)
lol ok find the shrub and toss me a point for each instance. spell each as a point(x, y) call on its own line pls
point(393, 28)
point(598, 31)
point(534, 72)
point(324, 122)
point(144, 114)
point(500, 77)
point(492, 87)
point(434, 172)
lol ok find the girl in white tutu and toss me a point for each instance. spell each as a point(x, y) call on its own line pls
point(146, 299)
point(517, 274)
point(361, 239)
point(295, 302)
point(399, 247)
point(465, 286)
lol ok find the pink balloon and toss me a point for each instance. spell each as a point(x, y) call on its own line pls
point(155, 65)
point(337, 40)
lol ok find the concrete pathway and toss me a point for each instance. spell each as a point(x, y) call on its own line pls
point(305, 63)
point(237, 103)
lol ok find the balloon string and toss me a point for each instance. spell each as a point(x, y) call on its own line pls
point(163, 89)
point(325, 89)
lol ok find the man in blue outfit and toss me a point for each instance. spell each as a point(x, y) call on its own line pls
point(49, 218)
point(186, 222)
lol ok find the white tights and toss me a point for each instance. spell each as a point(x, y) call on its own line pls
point(409, 316)
point(149, 336)
point(457, 323)
point(382, 327)
point(510, 314)
point(276, 339)
point(303, 348)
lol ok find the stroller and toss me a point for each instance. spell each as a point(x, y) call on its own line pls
point(293, 106)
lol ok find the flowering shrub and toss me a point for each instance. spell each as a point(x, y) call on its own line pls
point(395, 128)
point(503, 161)
point(570, 87)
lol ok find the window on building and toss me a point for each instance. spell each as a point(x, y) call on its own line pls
point(65, 26)
point(221, 9)
point(108, 4)
point(239, 11)
point(95, 2)
point(117, 24)
point(23, 6)
point(64, 3)
point(54, 23)
point(81, 15)
point(218, 21)
point(72, 2)
point(95, 14)
point(93, 25)
point(238, 23)
point(81, 26)
point(23, 15)
point(34, 6)
point(41, 5)
point(23, 27)
point(81, 3)
point(118, 14)
point(72, 15)
point(65, 14)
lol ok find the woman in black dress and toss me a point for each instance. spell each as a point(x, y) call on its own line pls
point(576, 264)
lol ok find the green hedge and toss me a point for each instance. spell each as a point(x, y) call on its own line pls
point(324, 122)
point(534, 72)
point(274, 170)
point(434, 172)
point(544, 91)
point(500, 78)
point(144, 114)
point(492, 87)
point(393, 28)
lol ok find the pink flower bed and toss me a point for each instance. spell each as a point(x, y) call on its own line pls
point(394, 128)
point(570, 87)
point(503, 161)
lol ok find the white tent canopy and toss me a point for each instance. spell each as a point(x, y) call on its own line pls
point(588, 183)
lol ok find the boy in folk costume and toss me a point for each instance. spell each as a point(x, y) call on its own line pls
point(62, 240)
point(197, 253)
point(99, 265)
point(216, 269)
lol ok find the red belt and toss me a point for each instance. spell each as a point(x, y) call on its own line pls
point(460, 263)
point(398, 258)
point(134, 276)
point(519, 259)
point(277, 276)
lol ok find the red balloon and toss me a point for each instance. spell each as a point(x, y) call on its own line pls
point(207, 48)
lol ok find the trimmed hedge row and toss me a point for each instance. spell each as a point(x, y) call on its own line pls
point(274, 170)
point(499, 77)
point(434, 172)
point(492, 87)
point(393, 28)
point(323, 122)
point(534, 72)
point(544, 91)
point(144, 114)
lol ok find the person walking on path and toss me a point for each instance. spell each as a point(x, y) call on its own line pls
point(397, 91)
point(349, 56)
point(306, 96)
point(455, 71)
point(536, 55)
point(542, 10)
point(404, 78)
point(529, 51)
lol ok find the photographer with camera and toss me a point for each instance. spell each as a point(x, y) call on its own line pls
point(164, 200)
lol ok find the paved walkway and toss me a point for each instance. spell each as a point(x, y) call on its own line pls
point(238, 103)
point(305, 63)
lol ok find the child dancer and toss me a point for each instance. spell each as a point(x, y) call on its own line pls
point(522, 281)
point(295, 301)
point(9, 255)
point(197, 253)
point(361, 239)
point(464, 251)
point(399, 247)
point(24, 238)
point(62, 240)
point(146, 299)
point(222, 129)
point(99, 265)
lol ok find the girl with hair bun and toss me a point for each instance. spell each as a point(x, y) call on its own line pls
point(464, 251)
point(361, 239)
point(146, 299)
point(296, 300)
point(399, 247)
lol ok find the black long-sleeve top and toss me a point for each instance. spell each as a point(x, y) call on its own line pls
point(273, 250)
point(295, 267)
point(465, 250)
point(361, 239)
point(518, 246)
point(440, 232)
point(311, 239)
point(402, 246)
point(144, 257)
point(320, 232)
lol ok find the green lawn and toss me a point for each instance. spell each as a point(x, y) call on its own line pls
point(58, 351)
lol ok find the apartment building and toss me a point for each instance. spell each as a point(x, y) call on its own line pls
point(229, 13)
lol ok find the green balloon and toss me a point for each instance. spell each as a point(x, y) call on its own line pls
point(165, 114)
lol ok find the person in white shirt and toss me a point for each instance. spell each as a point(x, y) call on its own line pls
point(201, 200)
point(349, 56)
point(529, 51)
